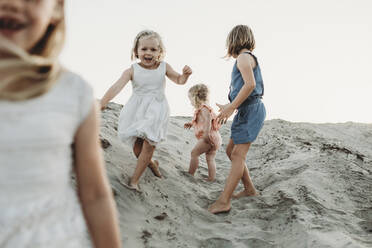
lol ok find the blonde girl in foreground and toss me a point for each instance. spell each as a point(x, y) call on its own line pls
point(143, 121)
point(45, 109)
point(246, 91)
point(206, 130)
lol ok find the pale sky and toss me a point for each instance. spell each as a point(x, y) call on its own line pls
point(315, 56)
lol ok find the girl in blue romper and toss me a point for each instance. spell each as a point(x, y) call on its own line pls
point(246, 91)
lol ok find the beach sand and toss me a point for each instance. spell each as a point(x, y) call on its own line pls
point(315, 182)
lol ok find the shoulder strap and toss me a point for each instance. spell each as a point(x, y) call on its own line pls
point(206, 106)
point(255, 58)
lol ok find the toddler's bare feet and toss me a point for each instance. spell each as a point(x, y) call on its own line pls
point(209, 179)
point(191, 174)
point(218, 208)
point(154, 166)
point(245, 193)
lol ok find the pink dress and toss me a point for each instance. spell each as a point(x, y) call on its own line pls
point(199, 126)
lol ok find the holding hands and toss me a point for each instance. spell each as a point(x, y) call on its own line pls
point(225, 112)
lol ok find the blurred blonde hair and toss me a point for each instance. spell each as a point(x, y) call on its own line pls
point(147, 34)
point(199, 94)
point(28, 74)
point(240, 37)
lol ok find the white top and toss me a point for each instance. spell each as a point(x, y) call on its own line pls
point(146, 114)
point(39, 206)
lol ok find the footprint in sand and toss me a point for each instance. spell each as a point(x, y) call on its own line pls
point(216, 243)
point(187, 175)
point(254, 242)
point(172, 137)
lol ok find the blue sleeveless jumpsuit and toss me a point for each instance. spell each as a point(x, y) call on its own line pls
point(249, 120)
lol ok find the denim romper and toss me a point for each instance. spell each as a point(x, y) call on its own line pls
point(251, 114)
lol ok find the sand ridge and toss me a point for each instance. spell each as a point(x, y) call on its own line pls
point(315, 182)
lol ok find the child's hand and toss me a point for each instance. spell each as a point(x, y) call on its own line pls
point(101, 106)
point(225, 112)
point(186, 70)
point(187, 125)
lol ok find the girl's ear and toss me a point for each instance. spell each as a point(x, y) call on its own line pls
point(58, 12)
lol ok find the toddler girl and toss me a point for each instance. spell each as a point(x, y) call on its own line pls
point(206, 130)
point(144, 118)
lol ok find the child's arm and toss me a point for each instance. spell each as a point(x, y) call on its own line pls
point(93, 187)
point(116, 87)
point(176, 77)
point(245, 67)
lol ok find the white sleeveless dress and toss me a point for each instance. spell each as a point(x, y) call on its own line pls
point(39, 206)
point(146, 114)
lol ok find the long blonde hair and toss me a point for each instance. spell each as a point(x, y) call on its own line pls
point(28, 74)
point(147, 34)
point(199, 94)
point(240, 37)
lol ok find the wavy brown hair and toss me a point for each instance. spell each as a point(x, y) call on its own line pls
point(28, 74)
point(240, 37)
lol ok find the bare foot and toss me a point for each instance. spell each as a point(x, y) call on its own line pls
point(219, 208)
point(209, 179)
point(130, 186)
point(189, 173)
point(245, 193)
point(154, 166)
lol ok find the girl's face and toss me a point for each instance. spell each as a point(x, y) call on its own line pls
point(148, 52)
point(24, 22)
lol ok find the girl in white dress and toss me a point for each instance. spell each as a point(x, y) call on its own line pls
point(44, 110)
point(144, 118)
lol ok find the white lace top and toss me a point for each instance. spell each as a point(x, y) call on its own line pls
point(39, 206)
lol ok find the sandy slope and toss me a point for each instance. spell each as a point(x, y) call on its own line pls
point(315, 181)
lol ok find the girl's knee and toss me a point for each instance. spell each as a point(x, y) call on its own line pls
point(236, 156)
point(147, 147)
point(195, 153)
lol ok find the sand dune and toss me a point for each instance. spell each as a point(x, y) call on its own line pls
point(315, 182)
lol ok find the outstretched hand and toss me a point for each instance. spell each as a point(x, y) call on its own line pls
point(186, 70)
point(225, 112)
point(187, 125)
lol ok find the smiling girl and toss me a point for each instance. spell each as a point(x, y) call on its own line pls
point(144, 118)
point(45, 111)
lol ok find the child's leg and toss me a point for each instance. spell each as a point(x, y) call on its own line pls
point(238, 156)
point(137, 147)
point(229, 148)
point(143, 160)
point(210, 158)
point(153, 165)
point(249, 189)
point(200, 148)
